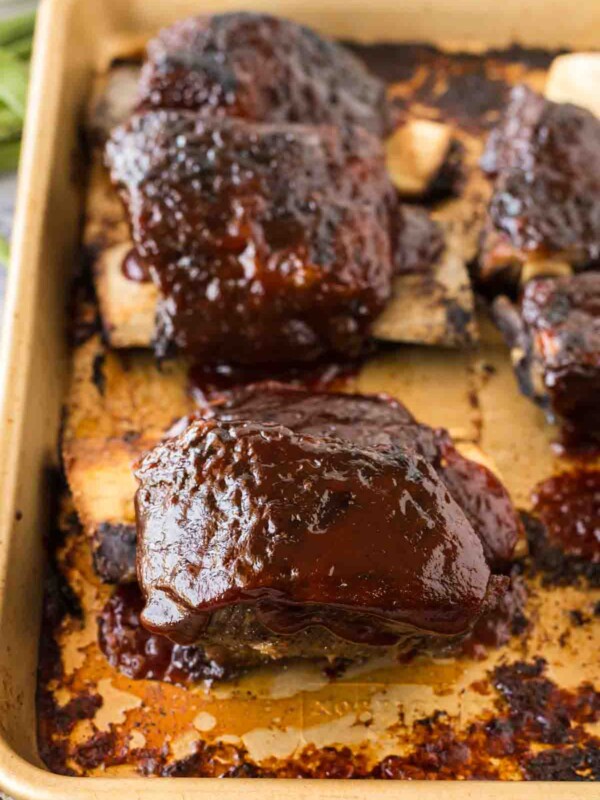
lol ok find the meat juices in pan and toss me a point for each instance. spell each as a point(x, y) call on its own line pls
point(269, 243)
point(555, 337)
point(261, 69)
point(253, 536)
point(545, 159)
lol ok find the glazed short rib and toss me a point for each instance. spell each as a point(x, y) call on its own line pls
point(544, 214)
point(555, 339)
point(251, 535)
point(268, 242)
point(278, 527)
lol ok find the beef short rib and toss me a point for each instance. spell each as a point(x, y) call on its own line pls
point(555, 339)
point(545, 161)
point(251, 534)
point(268, 243)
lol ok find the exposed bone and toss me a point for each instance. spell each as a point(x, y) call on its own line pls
point(114, 96)
point(127, 307)
point(105, 221)
point(464, 216)
point(415, 154)
point(527, 367)
point(575, 78)
point(435, 307)
point(118, 406)
point(544, 268)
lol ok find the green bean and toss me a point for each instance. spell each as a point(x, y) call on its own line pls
point(16, 28)
point(4, 251)
point(9, 155)
point(13, 82)
point(21, 47)
point(10, 124)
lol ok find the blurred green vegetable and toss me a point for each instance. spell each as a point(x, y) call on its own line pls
point(4, 251)
point(10, 124)
point(14, 74)
point(16, 38)
point(9, 155)
point(17, 28)
point(21, 47)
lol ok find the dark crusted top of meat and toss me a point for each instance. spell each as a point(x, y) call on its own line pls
point(379, 421)
point(546, 160)
point(420, 241)
point(269, 243)
point(262, 69)
point(308, 531)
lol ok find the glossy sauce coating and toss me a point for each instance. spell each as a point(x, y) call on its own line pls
point(569, 506)
point(253, 514)
point(545, 157)
point(262, 69)
point(269, 243)
point(562, 319)
point(379, 421)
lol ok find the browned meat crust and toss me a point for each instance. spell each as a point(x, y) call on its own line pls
point(420, 241)
point(262, 69)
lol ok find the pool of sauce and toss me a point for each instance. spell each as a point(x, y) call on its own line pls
point(139, 654)
point(569, 506)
